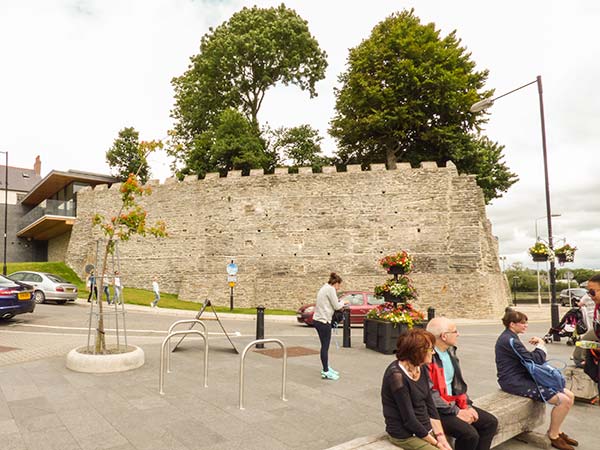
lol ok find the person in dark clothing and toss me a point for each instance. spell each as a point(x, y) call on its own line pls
point(514, 378)
point(472, 427)
point(411, 419)
point(92, 287)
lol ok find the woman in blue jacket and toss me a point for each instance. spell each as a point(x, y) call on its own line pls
point(514, 378)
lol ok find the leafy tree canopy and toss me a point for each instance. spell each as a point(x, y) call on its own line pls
point(406, 97)
point(231, 144)
point(299, 147)
point(237, 63)
point(124, 156)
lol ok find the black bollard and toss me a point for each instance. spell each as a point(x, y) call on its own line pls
point(346, 336)
point(260, 325)
point(430, 313)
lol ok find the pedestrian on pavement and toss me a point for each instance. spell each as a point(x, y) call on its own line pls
point(592, 356)
point(91, 284)
point(327, 303)
point(472, 427)
point(156, 291)
point(514, 378)
point(117, 289)
point(106, 290)
point(411, 418)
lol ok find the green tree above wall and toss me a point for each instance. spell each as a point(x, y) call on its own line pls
point(124, 157)
point(406, 96)
point(298, 146)
point(238, 62)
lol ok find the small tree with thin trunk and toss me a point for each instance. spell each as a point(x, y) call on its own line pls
point(130, 220)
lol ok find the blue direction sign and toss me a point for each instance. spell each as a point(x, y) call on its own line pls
point(232, 269)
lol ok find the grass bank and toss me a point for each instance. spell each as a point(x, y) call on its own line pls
point(131, 295)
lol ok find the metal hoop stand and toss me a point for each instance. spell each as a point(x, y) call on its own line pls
point(284, 371)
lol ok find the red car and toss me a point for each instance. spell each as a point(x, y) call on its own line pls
point(360, 303)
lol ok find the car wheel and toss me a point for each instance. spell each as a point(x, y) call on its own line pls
point(39, 297)
point(61, 302)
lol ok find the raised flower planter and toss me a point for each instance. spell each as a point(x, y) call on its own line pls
point(382, 336)
point(385, 323)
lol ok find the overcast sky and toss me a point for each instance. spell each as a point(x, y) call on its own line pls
point(75, 72)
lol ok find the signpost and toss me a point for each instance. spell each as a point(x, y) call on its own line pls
point(569, 276)
point(232, 270)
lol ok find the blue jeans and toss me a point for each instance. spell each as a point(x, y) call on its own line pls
point(156, 299)
point(117, 294)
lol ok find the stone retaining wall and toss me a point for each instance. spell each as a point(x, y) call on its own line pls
point(286, 232)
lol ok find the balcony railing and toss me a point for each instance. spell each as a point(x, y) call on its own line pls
point(49, 208)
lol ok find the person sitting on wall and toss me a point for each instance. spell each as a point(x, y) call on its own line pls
point(514, 378)
point(411, 419)
point(472, 427)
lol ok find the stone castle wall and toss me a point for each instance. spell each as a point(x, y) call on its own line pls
point(287, 232)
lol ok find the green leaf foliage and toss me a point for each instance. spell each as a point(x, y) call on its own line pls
point(406, 97)
point(299, 147)
point(237, 63)
point(232, 143)
point(125, 158)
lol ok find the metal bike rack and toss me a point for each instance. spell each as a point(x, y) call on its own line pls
point(179, 322)
point(243, 356)
point(161, 376)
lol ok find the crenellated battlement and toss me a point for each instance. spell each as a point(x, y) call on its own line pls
point(302, 171)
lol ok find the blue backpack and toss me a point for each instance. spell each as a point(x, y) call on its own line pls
point(543, 374)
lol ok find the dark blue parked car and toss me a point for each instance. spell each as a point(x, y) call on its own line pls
point(15, 298)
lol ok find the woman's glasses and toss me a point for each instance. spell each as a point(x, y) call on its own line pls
point(591, 292)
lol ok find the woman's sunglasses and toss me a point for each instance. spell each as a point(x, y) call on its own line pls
point(591, 292)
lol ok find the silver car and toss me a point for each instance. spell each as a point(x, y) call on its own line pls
point(47, 286)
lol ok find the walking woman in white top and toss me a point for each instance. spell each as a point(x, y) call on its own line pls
point(327, 303)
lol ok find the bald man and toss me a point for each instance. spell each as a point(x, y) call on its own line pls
point(472, 427)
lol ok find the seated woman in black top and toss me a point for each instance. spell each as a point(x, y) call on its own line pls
point(411, 419)
point(514, 378)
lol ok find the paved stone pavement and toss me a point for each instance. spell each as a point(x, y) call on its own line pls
point(45, 406)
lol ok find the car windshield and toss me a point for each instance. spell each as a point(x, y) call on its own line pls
point(55, 278)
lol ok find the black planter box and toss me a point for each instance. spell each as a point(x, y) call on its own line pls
point(382, 336)
point(540, 258)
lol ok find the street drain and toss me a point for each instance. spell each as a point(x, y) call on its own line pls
point(291, 352)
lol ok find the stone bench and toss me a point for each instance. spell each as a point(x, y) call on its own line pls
point(517, 416)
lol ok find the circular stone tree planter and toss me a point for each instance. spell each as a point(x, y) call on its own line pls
point(80, 361)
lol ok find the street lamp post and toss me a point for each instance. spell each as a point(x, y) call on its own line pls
point(486, 103)
point(5, 208)
point(537, 264)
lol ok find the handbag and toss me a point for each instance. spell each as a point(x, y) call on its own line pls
point(543, 374)
point(337, 318)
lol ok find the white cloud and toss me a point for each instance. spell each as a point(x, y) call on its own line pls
point(76, 72)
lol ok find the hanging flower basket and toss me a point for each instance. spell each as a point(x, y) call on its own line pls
point(397, 264)
point(396, 291)
point(539, 251)
point(566, 253)
point(540, 258)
